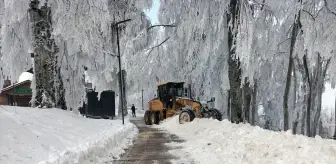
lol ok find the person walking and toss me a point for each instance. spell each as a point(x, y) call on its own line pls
point(133, 110)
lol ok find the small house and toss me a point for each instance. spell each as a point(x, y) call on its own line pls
point(17, 94)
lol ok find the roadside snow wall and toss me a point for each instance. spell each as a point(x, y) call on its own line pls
point(217, 142)
point(31, 135)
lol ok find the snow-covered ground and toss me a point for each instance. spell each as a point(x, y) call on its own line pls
point(31, 135)
point(214, 142)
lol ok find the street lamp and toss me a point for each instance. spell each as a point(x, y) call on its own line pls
point(142, 99)
point(115, 25)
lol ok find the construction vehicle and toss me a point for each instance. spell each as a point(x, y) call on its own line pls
point(174, 99)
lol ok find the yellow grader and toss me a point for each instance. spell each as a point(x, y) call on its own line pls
point(173, 99)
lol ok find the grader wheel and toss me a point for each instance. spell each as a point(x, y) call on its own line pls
point(184, 117)
point(148, 117)
point(156, 117)
point(192, 115)
point(215, 114)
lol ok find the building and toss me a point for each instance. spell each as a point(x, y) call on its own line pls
point(18, 94)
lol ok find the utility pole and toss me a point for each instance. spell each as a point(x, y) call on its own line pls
point(32, 56)
point(334, 137)
point(142, 99)
point(116, 26)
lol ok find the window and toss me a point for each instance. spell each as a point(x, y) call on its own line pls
point(179, 92)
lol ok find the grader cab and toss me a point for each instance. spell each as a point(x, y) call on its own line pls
point(174, 99)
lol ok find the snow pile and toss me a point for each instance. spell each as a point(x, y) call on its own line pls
point(212, 141)
point(25, 76)
point(31, 135)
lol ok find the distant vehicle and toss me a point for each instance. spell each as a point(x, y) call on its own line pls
point(173, 99)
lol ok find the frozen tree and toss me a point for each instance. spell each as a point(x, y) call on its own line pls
point(273, 32)
point(83, 31)
point(49, 91)
point(260, 28)
point(316, 50)
point(66, 36)
point(15, 38)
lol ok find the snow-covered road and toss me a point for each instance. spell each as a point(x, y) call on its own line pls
point(150, 147)
point(31, 135)
point(214, 142)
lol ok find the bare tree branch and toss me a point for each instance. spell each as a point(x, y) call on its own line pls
point(279, 53)
point(161, 25)
point(311, 15)
point(283, 41)
point(153, 49)
point(158, 45)
point(328, 9)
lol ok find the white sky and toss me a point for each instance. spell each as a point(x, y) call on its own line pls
point(153, 12)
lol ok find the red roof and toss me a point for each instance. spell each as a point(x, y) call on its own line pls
point(15, 85)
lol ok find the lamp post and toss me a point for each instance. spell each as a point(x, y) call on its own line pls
point(334, 137)
point(142, 99)
point(116, 25)
point(32, 58)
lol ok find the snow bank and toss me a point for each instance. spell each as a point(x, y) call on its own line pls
point(212, 141)
point(31, 135)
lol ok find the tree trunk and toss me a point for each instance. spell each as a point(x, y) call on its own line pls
point(254, 102)
point(302, 69)
point(234, 63)
point(304, 108)
point(296, 121)
point(286, 95)
point(309, 103)
point(318, 91)
point(295, 124)
point(229, 106)
point(45, 59)
point(247, 100)
point(295, 32)
point(303, 119)
point(320, 76)
point(243, 104)
point(320, 129)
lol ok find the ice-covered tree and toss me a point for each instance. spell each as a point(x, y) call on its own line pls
point(67, 36)
point(15, 38)
point(273, 32)
point(83, 32)
point(49, 91)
